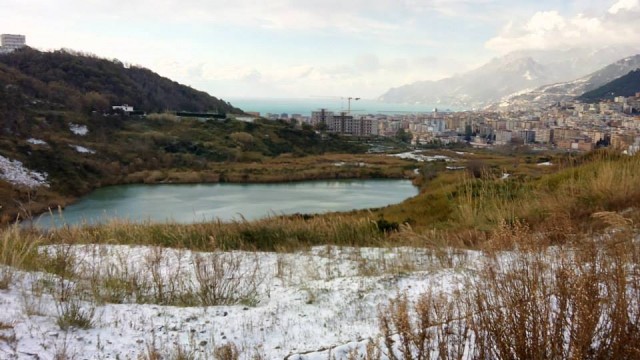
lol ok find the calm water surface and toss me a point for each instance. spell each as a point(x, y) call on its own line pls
point(305, 106)
point(201, 202)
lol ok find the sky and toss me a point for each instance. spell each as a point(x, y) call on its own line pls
point(309, 48)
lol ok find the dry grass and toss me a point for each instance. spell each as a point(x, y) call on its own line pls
point(16, 251)
point(560, 280)
point(579, 301)
point(227, 351)
point(288, 233)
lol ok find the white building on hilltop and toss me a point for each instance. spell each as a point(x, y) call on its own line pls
point(11, 42)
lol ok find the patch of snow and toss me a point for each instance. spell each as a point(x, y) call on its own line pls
point(81, 130)
point(415, 155)
point(15, 173)
point(82, 149)
point(357, 164)
point(246, 118)
point(327, 297)
point(548, 163)
point(36, 141)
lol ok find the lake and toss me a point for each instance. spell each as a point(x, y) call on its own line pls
point(187, 203)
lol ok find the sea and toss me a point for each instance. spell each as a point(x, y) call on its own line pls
point(304, 106)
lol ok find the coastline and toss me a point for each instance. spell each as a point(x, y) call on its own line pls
point(305, 105)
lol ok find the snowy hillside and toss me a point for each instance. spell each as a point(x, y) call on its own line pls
point(513, 73)
point(550, 94)
point(295, 303)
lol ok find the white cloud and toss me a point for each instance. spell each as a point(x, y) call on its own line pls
point(299, 47)
point(551, 30)
point(623, 5)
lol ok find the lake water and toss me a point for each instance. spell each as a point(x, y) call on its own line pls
point(203, 202)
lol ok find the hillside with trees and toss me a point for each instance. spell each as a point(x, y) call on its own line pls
point(54, 121)
point(627, 85)
point(87, 82)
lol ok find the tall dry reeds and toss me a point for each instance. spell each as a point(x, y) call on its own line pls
point(282, 233)
point(576, 301)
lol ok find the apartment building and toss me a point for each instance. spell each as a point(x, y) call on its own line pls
point(10, 42)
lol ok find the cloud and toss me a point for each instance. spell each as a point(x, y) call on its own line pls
point(623, 5)
point(551, 30)
point(367, 62)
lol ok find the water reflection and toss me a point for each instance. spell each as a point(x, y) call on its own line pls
point(205, 202)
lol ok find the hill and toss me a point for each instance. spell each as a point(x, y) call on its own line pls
point(56, 144)
point(87, 82)
point(473, 89)
point(550, 94)
point(517, 72)
point(627, 85)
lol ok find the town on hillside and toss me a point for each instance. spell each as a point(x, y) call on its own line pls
point(570, 126)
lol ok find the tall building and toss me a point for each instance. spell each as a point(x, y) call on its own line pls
point(322, 117)
point(348, 125)
point(11, 42)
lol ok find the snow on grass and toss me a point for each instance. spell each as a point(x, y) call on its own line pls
point(36, 141)
point(357, 164)
point(305, 302)
point(77, 129)
point(546, 163)
point(415, 155)
point(15, 173)
point(82, 149)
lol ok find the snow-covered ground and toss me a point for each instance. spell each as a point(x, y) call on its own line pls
point(77, 129)
point(34, 141)
point(416, 155)
point(301, 305)
point(15, 173)
point(82, 149)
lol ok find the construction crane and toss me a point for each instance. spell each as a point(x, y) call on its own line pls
point(349, 103)
point(349, 98)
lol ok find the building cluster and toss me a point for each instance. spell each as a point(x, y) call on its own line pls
point(344, 123)
point(568, 126)
point(9, 42)
point(571, 126)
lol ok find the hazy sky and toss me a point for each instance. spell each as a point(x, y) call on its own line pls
point(301, 48)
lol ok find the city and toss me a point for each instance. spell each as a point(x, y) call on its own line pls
point(570, 126)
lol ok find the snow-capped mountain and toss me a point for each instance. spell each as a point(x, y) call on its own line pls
point(549, 94)
point(516, 72)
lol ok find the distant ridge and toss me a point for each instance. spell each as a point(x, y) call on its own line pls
point(627, 85)
point(506, 77)
point(76, 74)
point(550, 94)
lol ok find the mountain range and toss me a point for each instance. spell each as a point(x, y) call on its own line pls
point(627, 85)
point(509, 76)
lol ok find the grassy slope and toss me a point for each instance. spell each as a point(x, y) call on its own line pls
point(42, 93)
point(589, 206)
point(162, 149)
point(452, 209)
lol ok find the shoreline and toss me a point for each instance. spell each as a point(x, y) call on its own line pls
point(36, 212)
